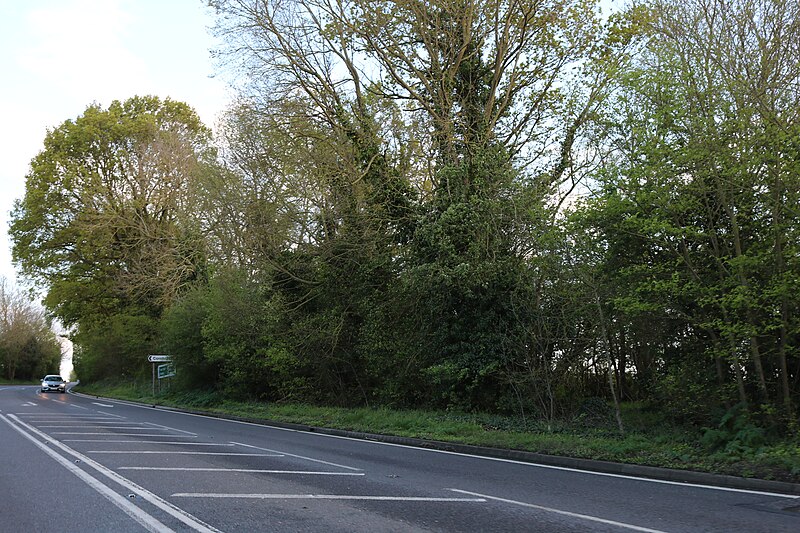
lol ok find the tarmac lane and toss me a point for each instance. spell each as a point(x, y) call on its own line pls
point(104, 465)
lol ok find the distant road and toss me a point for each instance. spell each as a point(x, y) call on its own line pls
point(70, 463)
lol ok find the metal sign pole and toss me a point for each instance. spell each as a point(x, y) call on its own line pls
point(158, 359)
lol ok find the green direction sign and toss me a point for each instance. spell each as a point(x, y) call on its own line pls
point(165, 371)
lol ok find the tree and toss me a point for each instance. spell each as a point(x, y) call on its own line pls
point(704, 182)
point(106, 226)
point(104, 222)
point(28, 346)
point(448, 129)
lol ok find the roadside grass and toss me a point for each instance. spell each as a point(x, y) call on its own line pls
point(650, 438)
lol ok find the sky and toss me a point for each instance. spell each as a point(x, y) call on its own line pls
point(57, 57)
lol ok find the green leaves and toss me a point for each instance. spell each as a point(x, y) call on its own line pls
point(105, 209)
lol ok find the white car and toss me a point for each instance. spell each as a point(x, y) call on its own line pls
point(54, 382)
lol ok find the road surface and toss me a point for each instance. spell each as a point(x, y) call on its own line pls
point(72, 463)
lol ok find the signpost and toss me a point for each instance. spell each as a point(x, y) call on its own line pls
point(164, 370)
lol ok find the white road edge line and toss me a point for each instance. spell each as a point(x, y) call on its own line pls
point(294, 455)
point(324, 497)
point(559, 511)
point(155, 500)
point(140, 516)
point(482, 457)
point(249, 470)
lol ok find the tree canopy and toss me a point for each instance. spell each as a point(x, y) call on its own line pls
point(511, 206)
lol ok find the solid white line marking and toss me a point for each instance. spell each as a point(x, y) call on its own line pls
point(294, 455)
point(110, 414)
point(140, 516)
point(323, 497)
point(559, 511)
point(155, 500)
point(170, 452)
point(102, 404)
point(252, 470)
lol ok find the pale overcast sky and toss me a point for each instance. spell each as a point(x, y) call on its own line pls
point(59, 56)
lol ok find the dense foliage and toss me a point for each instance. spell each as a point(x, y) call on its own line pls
point(506, 206)
point(29, 348)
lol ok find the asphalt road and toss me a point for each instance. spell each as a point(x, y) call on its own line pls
point(71, 463)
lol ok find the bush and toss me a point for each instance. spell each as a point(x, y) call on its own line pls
point(736, 433)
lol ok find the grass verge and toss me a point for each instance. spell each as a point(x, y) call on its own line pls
point(650, 439)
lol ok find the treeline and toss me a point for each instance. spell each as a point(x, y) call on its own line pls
point(509, 206)
point(29, 348)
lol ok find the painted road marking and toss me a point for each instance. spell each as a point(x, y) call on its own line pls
point(123, 434)
point(147, 521)
point(102, 404)
point(97, 427)
point(559, 511)
point(87, 423)
point(45, 417)
point(176, 512)
point(148, 442)
point(251, 470)
point(294, 455)
point(169, 428)
point(170, 452)
point(324, 497)
point(91, 423)
point(474, 456)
